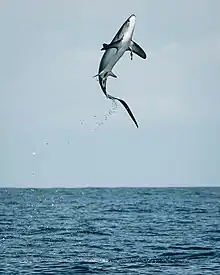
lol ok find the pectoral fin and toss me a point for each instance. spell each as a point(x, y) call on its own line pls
point(135, 48)
point(111, 45)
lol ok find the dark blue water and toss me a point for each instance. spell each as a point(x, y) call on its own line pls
point(110, 231)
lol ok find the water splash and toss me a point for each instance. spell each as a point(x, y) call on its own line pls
point(106, 116)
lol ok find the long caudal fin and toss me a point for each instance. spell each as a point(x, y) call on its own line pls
point(126, 107)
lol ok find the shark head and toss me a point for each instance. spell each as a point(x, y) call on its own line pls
point(132, 20)
point(128, 27)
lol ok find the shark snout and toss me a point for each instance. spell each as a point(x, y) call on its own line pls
point(132, 19)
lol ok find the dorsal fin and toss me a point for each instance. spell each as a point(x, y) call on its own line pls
point(114, 44)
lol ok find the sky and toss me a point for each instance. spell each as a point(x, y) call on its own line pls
point(59, 130)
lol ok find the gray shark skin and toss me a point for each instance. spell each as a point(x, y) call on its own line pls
point(121, 43)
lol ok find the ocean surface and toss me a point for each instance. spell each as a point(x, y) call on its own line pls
point(110, 231)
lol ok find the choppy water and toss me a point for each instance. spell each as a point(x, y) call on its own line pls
point(110, 231)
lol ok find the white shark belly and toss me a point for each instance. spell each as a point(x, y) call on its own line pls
point(114, 60)
point(119, 53)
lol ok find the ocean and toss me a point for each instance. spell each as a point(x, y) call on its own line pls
point(166, 231)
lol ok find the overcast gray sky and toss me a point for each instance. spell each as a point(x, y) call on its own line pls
point(49, 52)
